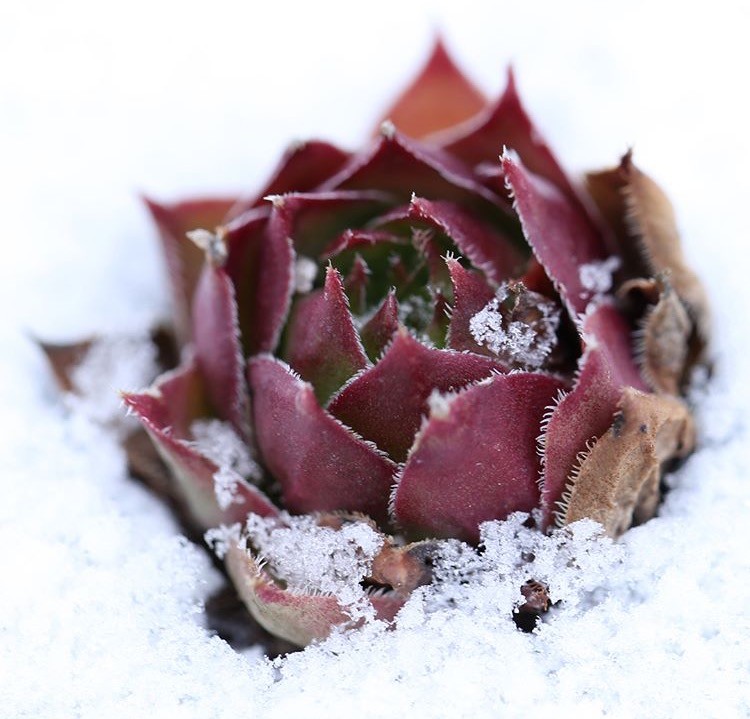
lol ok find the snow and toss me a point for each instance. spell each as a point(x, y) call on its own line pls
point(100, 605)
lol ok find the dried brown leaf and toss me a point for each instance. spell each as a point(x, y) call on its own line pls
point(618, 481)
point(664, 335)
point(63, 359)
point(638, 210)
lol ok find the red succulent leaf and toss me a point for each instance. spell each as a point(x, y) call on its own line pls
point(218, 350)
point(439, 97)
point(470, 294)
point(400, 221)
point(403, 166)
point(322, 344)
point(506, 123)
point(184, 259)
point(354, 239)
point(560, 235)
point(475, 457)
point(488, 249)
point(313, 219)
point(437, 330)
point(260, 264)
point(356, 283)
point(586, 413)
point(320, 464)
point(380, 328)
point(302, 168)
point(605, 327)
point(167, 411)
point(385, 403)
point(300, 618)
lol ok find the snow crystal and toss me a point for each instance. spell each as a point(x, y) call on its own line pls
point(521, 343)
point(596, 277)
point(217, 441)
point(318, 559)
point(305, 272)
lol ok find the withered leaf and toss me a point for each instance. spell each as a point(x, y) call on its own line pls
point(618, 481)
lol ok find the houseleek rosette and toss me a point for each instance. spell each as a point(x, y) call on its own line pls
point(401, 343)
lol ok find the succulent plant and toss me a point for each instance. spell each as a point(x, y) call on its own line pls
point(386, 348)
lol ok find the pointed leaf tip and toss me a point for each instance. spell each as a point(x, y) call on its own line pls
point(322, 344)
point(439, 97)
point(167, 411)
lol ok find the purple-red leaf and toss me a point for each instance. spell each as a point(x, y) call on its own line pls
point(322, 344)
point(359, 239)
point(218, 350)
point(506, 123)
point(587, 411)
point(319, 463)
point(470, 294)
point(302, 168)
point(356, 283)
point(380, 328)
point(312, 220)
point(560, 235)
point(167, 412)
point(488, 249)
point(404, 166)
point(260, 264)
point(385, 403)
point(475, 458)
point(184, 259)
point(439, 97)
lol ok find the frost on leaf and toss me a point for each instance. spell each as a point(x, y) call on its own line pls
point(218, 442)
point(313, 558)
point(518, 326)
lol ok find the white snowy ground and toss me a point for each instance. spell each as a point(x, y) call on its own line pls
point(100, 597)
